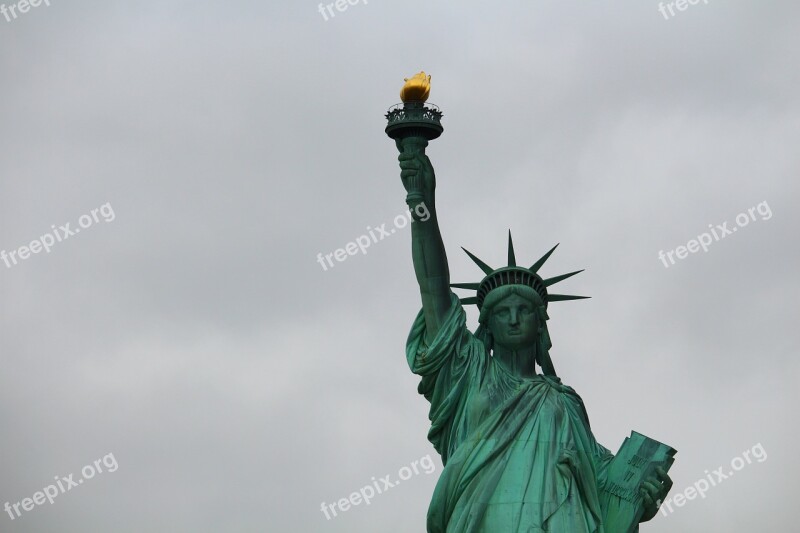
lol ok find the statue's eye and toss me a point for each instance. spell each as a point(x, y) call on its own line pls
point(503, 313)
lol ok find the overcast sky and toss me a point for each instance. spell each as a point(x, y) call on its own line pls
point(189, 336)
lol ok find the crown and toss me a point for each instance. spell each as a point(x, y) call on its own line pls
point(514, 275)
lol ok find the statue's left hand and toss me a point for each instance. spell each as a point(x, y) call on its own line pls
point(654, 490)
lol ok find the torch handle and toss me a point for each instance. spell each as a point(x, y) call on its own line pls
point(416, 146)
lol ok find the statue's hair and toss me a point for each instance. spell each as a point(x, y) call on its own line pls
point(542, 343)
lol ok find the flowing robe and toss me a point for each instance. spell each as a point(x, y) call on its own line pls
point(519, 455)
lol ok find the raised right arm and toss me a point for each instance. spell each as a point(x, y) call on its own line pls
point(430, 259)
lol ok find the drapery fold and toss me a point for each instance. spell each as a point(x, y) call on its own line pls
point(519, 454)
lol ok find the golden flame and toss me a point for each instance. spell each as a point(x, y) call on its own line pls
point(417, 88)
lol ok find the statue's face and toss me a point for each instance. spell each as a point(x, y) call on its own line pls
point(513, 323)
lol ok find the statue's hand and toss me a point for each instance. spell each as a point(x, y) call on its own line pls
point(418, 177)
point(654, 490)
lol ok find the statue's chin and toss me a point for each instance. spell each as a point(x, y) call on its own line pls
point(514, 347)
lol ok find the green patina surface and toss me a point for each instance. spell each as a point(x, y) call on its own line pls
point(516, 443)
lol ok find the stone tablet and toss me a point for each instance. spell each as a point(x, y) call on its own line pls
point(636, 459)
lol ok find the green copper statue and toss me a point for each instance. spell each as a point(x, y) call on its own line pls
point(518, 451)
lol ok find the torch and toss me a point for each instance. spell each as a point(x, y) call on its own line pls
point(414, 122)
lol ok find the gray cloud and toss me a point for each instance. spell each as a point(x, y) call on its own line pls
point(239, 385)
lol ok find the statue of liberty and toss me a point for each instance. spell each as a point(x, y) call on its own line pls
point(517, 448)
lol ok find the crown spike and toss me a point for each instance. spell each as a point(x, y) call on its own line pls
point(473, 286)
point(564, 297)
point(486, 268)
point(512, 260)
point(552, 281)
point(538, 264)
point(472, 300)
